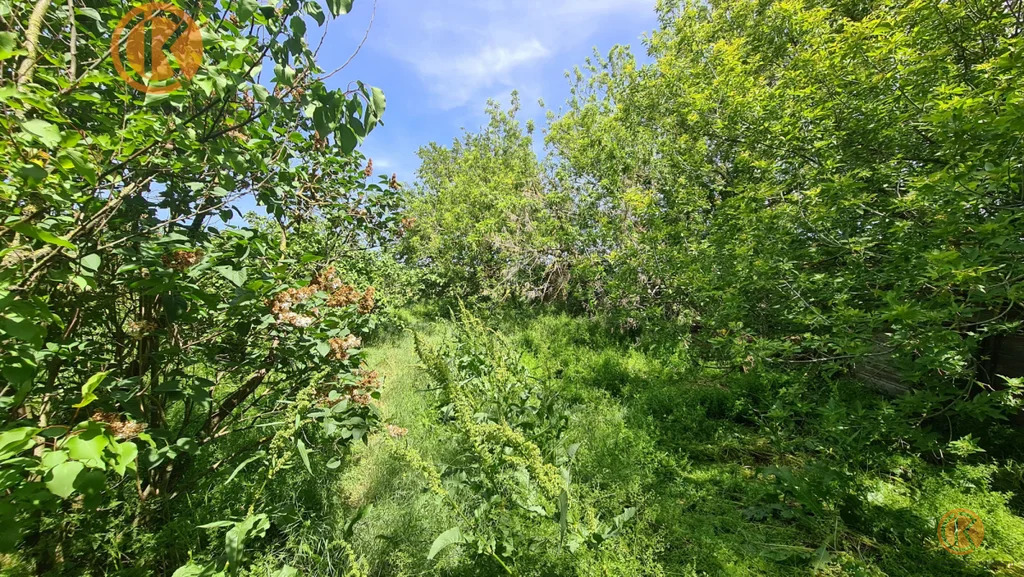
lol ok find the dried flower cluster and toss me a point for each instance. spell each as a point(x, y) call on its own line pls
point(282, 303)
point(139, 329)
point(396, 432)
point(408, 223)
point(368, 383)
point(327, 280)
point(181, 260)
point(120, 429)
point(366, 302)
point(368, 379)
point(368, 171)
point(393, 184)
point(360, 393)
point(360, 398)
point(345, 295)
point(340, 347)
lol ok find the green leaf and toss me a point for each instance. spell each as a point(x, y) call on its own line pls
point(91, 262)
point(40, 234)
point(234, 540)
point(84, 169)
point(287, 571)
point(316, 12)
point(563, 514)
point(22, 329)
point(217, 525)
point(449, 537)
point(60, 480)
point(205, 83)
point(237, 277)
point(8, 45)
point(339, 7)
point(323, 348)
point(19, 371)
point(87, 389)
point(32, 174)
point(378, 101)
point(45, 132)
point(126, 453)
point(16, 440)
point(155, 98)
point(91, 484)
point(627, 514)
point(347, 137)
point(51, 459)
point(298, 26)
point(246, 8)
point(89, 13)
point(821, 558)
point(87, 446)
point(196, 570)
point(322, 121)
point(303, 454)
point(239, 468)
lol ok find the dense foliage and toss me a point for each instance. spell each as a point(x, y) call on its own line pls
point(480, 219)
point(818, 203)
point(792, 183)
point(757, 311)
point(148, 355)
point(820, 180)
point(664, 466)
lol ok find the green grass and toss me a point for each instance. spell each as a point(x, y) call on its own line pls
point(725, 483)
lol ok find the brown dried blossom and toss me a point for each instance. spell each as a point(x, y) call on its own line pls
point(340, 347)
point(120, 429)
point(393, 184)
point(368, 171)
point(396, 432)
point(366, 302)
point(345, 295)
point(296, 320)
point(283, 302)
point(368, 379)
point(360, 398)
point(327, 280)
point(181, 260)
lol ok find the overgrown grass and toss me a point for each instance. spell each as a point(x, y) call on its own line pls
point(730, 474)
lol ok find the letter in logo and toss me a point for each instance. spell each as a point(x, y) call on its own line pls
point(166, 27)
point(961, 531)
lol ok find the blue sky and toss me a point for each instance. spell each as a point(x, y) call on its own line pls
point(439, 61)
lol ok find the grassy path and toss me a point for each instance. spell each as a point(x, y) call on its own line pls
point(399, 521)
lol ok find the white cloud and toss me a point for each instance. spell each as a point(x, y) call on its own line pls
point(465, 50)
point(460, 77)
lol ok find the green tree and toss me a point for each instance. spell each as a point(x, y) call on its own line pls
point(481, 216)
point(822, 181)
point(136, 338)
